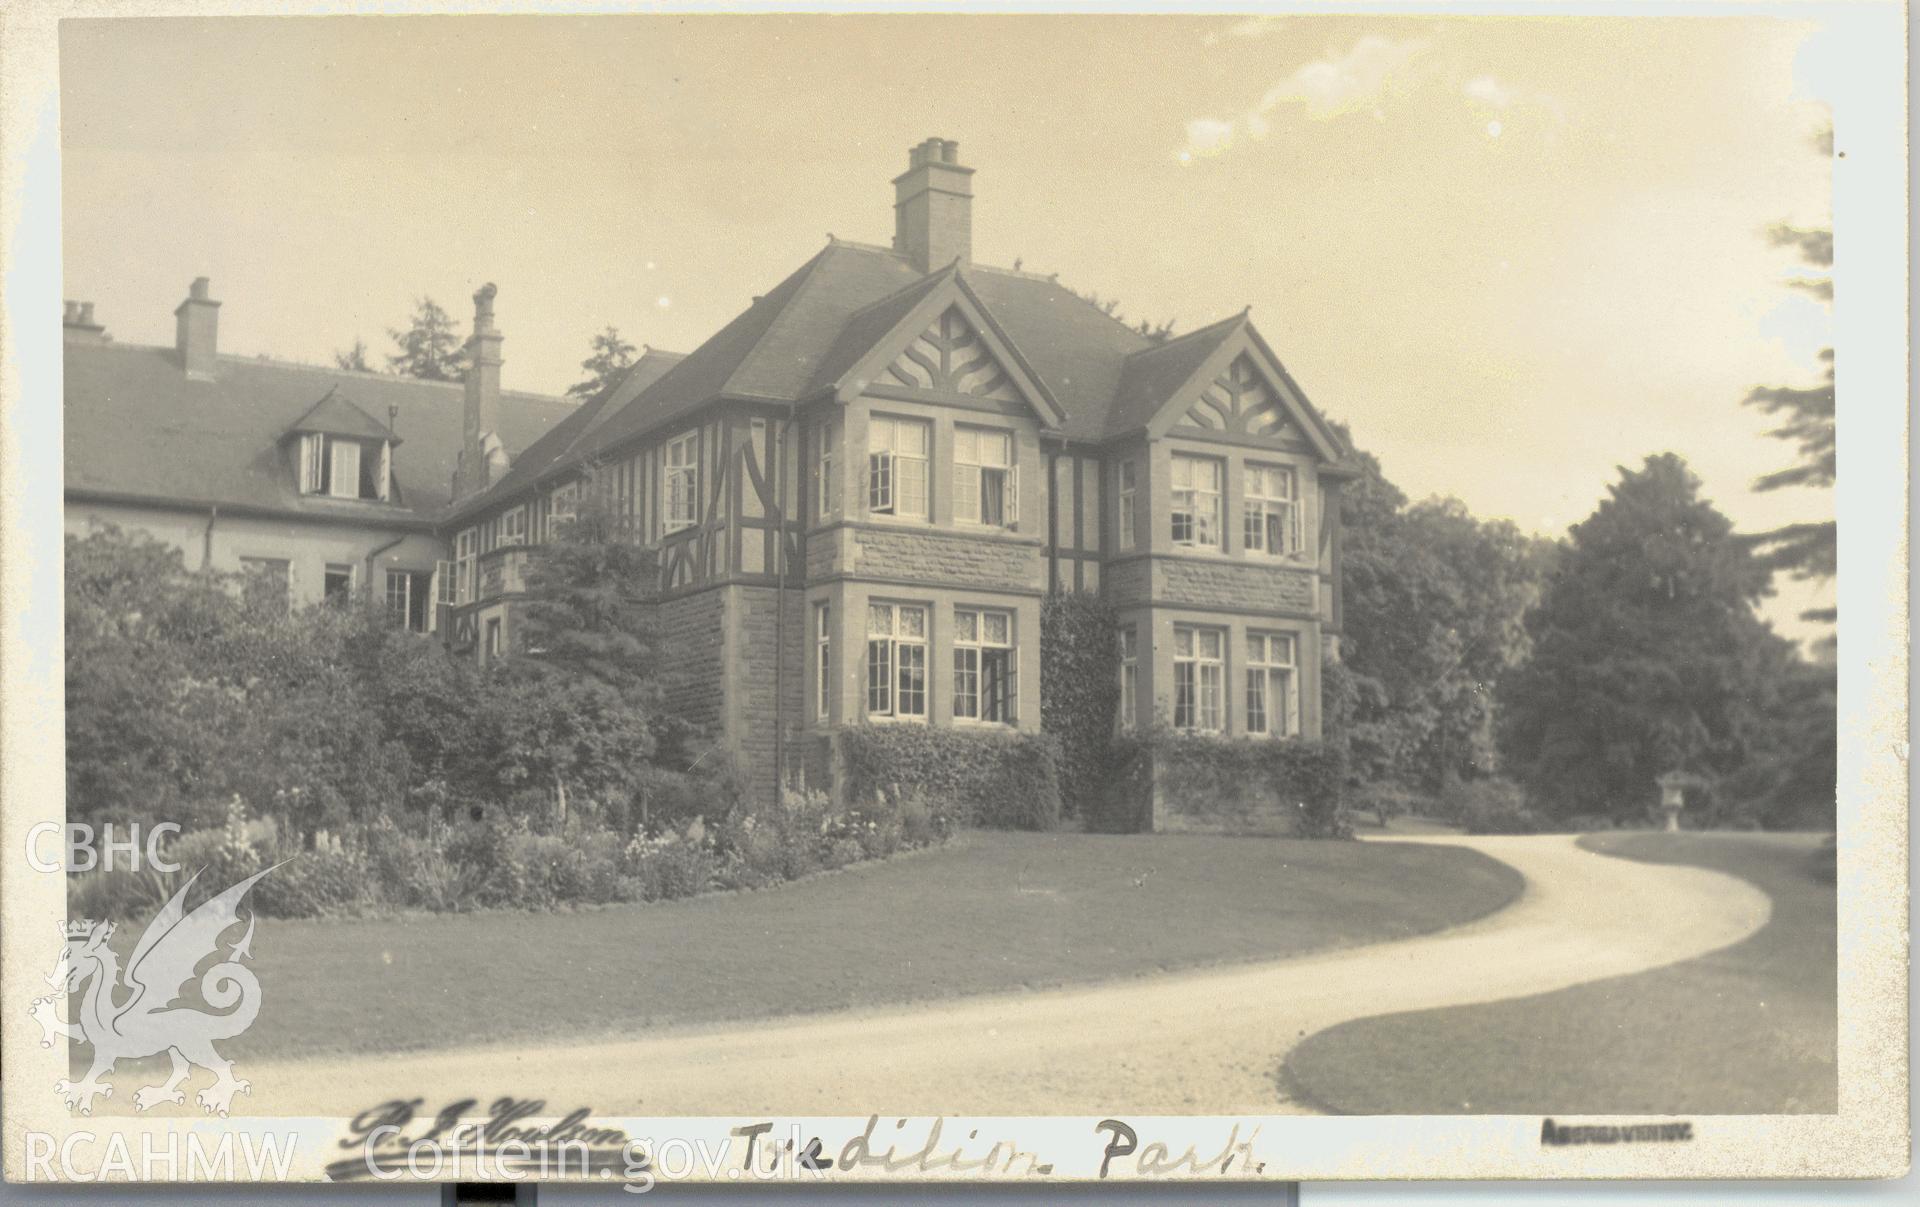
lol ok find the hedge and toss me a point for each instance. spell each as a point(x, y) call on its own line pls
point(1227, 782)
point(1000, 779)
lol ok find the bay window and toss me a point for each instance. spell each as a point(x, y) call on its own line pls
point(1199, 669)
point(1273, 696)
point(897, 467)
point(983, 667)
point(897, 660)
point(1196, 501)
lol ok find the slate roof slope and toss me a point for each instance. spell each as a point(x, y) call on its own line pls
point(794, 342)
point(1153, 374)
point(138, 427)
point(336, 416)
point(561, 439)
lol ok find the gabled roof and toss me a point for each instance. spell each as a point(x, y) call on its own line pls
point(336, 416)
point(138, 427)
point(875, 335)
point(1154, 375)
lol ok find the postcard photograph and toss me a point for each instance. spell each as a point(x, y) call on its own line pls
point(1003, 597)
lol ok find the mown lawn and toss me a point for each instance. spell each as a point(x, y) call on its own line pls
point(1752, 1029)
point(994, 911)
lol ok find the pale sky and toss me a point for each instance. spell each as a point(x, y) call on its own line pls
point(1512, 253)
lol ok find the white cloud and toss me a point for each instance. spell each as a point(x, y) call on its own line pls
point(1247, 27)
point(1332, 86)
point(1323, 89)
point(1489, 91)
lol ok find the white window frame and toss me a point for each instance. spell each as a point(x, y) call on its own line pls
point(352, 576)
point(823, 660)
point(513, 525)
point(343, 455)
point(1195, 494)
point(1273, 674)
point(406, 593)
point(974, 640)
point(897, 479)
point(680, 482)
point(466, 546)
point(891, 646)
point(1124, 496)
point(494, 637)
point(826, 500)
point(1272, 509)
point(1199, 671)
point(979, 453)
point(1129, 638)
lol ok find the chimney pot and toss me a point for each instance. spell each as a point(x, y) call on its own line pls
point(199, 290)
point(86, 314)
point(73, 313)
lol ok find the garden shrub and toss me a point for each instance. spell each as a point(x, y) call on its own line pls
point(1079, 692)
point(997, 778)
point(1228, 783)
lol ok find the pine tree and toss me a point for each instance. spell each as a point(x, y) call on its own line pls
point(430, 347)
point(1647, 654)
point(354, 358)
point(1805, 550)
point(610, 359)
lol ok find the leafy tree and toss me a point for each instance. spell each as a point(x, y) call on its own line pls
point(354, 358)
point(1433, 603)
point(1647, 654)
point(576, 703)
point(610, 358)
point(1805, 550)
point(430, 347)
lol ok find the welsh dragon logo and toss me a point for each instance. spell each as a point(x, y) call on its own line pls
point(145, 1022)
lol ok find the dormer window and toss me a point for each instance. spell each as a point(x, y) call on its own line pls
point(345, 467)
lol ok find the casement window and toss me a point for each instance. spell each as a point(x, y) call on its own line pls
point(897, 661)
point(562, 505)
point(466, 549)
point(1273, 695)
point(337, 585)
point(897, 466)
point(493, 638)
point(1272, 510)
point(442, 593)
point(983, 666)
point(1129, 677)
point(407, 599)
point(1196, 501)
point(513, 526)
point(343, 468)
point(986, 483)
point(680, 483)
point(1125, 497)
point(826, 489)
point(267, 583)
point(823, 661)
point(1199, 671)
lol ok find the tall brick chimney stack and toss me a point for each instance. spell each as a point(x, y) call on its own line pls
point(483, 456)
point(196, 330)
point(933, 207)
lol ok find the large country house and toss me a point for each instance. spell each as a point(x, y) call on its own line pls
point(860, 490)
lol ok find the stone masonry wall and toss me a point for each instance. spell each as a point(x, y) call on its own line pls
point(952, 558)
point(692, 632)
point(1233, 585)
point(752, 677)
